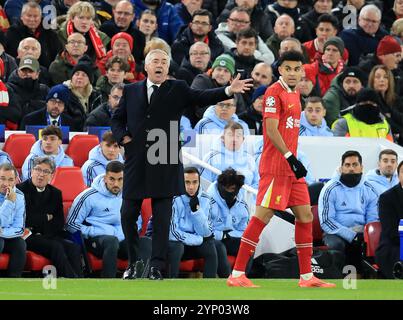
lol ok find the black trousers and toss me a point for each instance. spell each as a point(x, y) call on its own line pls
point(64, 254)
point(17, 249)
point(162, 212)
point(226, 247)
point(179, 251)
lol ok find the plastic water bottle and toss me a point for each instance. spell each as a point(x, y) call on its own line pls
point(398, 267)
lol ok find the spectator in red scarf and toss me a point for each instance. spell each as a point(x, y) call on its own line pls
point(80, 18)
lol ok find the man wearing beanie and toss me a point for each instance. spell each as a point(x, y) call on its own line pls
point(200, 29)
point(365, 119)
point(389, 54)
point(123, 21)
point(122, 46)
point(26, 93)
point(56, 100)
point(343, 93)
point(253, 114)
point(83, 97)
point(221, 74)
point(329, 65)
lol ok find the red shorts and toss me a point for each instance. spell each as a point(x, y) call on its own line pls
point(281, 192)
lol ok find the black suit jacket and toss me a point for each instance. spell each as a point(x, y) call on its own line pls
point(390, 212)
point(38, 205)
point(144, 176)
point(39, 118)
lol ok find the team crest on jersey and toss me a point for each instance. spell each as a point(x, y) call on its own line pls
point(270, 102)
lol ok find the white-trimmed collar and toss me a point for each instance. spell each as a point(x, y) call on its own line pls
point(284, 85)
point(150, 84)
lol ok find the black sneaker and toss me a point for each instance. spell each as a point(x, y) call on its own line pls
point(155, 274)
point(134, 271)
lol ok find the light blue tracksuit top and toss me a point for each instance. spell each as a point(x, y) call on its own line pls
point(240, 160)
point(5, 158)
point(380, 182)
point(61, 159)
point(306, 129)
point(191, 227)
point(12, 216)
point(96, 212)
point(211, 124)
point(223, 218)
point(341, 208)
point(96, 164)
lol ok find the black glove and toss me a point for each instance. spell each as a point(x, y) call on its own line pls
point(297, 167)
point(358, 239)
point(194, 202)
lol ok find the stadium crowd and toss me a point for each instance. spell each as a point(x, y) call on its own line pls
point(65, 63)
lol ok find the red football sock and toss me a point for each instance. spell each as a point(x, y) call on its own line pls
point(249, 241)
point(303, 241)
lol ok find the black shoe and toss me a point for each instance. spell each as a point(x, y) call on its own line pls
point(134, 271)
point(155, 274)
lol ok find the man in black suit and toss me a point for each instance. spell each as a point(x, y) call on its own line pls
point(56, 100)
point(149, 111)
point(390, 212)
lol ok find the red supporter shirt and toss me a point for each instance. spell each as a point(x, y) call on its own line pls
point(280, 103)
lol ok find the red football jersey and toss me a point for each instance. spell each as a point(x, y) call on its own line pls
point(281, 103)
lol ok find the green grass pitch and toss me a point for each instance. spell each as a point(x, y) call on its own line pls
point(193, 289)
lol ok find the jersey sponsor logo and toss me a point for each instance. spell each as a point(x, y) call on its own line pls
point(292, 123)
point(270, 102)
point(270, 110)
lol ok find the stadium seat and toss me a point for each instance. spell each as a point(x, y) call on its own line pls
point(372, 233)
point(18, 146)
point(4, 258)
point(36, 262)
point(79, 147)
point(70, 181)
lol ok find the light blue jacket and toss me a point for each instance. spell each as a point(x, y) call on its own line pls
point(12, 216)
point(191, 227)
point(380, 182)
point(95, 165)
point(301, 156)
point(211, 124)
point(240, 160)
point(306, 129)
point(223, 218)
point(341, 208)
point(5, 158)
point(61, 159)
point(96, 212)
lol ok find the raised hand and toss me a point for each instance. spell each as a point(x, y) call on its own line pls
point(240, 86)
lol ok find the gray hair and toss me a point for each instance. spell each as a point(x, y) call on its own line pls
point(119, 86)
point(29, 38)
point(370, 7)
point(30, 5)
point(198, 43)
point(44, 160)
point(154, 51)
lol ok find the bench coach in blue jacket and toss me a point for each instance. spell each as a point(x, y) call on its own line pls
point(346, 203)
point(191, 235)
point(12, 220)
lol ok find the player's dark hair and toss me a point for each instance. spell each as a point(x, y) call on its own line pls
point(399, 166)
point(351, 153)
point(52, 130)
point(115, 167)
point(291, 55)
point(314, 99)
point(388, 151)
point(329, 18)
point(190, 170)
point(230, 177)
point(108, 137)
